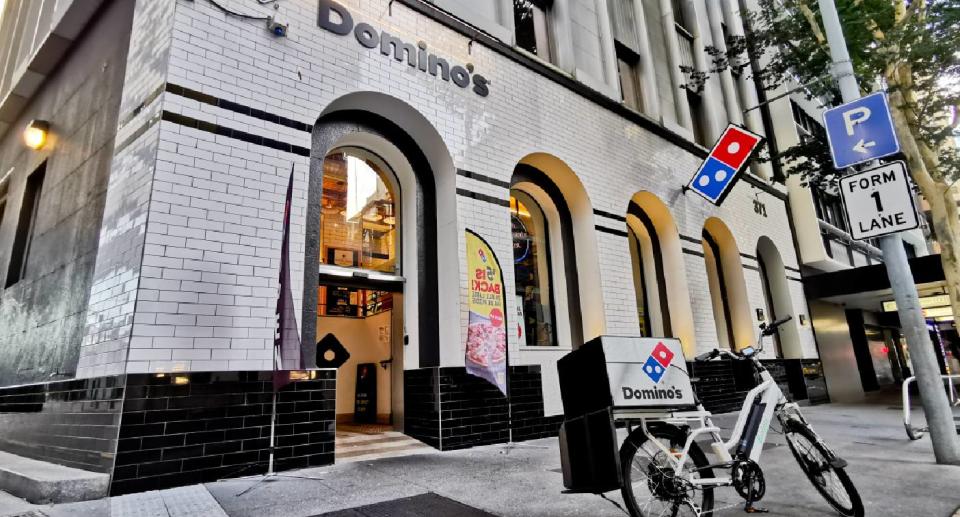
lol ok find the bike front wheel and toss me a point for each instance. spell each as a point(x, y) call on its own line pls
point(823, 469)
point(651, 485)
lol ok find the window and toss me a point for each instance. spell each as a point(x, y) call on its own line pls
point(717, 280)
point(3, 199)
point(359, 219)
point(697, 118)
point(640, 285)
point(530, 19)
point(829, 208)
point(23, 237)
point(628, 68)
point(531, 268)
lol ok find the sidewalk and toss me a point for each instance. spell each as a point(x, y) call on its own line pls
point(895, 477)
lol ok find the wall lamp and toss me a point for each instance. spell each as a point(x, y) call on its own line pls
point(35, 134)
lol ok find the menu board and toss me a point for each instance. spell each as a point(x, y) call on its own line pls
point(341, 301)
point(365, 400)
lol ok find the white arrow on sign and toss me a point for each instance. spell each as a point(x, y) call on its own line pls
point(861, 146)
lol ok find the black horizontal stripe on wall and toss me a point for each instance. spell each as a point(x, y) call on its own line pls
point(483, 197)
point(692, 252)
point(237, 107)
point(748, 256)
point(611, 231)
point(483, 177)
point(217, 129)
point(789, 268)
point(136, 134)
point(751, 268)
point(609, 215)
point(148, 100)
point(795, 279)
point(691, 239)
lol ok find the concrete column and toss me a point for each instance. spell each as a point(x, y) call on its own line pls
point(673, 64)
point(505, 18)
point(730, 99)
point(562, 36)
point(610, 72)
point(711, 119)
point(648, 73)
point(746, 86)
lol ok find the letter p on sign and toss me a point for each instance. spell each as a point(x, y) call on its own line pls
point(855, 116)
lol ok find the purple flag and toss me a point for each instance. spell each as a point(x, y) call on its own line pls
point(287, 342)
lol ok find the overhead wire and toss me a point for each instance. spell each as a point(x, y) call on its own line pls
point(241, 15)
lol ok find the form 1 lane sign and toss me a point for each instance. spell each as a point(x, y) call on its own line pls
point(879, 201)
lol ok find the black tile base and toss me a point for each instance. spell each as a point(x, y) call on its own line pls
point(71, 422)
point(450, 409)
point(203, 426)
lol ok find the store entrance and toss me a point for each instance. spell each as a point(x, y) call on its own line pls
point(368, 323)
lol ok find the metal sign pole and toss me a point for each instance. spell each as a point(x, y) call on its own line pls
point(939, 416)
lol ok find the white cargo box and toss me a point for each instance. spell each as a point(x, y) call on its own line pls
point(625, 373)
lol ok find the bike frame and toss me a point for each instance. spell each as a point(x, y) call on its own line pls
point(745, 442)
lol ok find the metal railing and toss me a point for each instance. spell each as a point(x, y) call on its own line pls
point(915, 433)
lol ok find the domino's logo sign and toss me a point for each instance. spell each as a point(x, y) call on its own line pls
point(723, 165)
point(656, 365)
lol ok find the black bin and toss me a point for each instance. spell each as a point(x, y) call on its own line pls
point(589, 455)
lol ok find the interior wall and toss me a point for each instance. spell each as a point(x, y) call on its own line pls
point(361, 337)
point(836, 352)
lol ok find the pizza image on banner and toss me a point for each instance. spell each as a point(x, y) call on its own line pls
point(486, 349)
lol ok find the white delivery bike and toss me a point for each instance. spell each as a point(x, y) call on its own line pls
point(665, 473)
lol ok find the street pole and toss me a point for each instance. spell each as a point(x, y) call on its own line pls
point(939, 416)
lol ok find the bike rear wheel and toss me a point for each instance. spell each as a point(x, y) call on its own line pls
point(818, 463)
point(650, 486)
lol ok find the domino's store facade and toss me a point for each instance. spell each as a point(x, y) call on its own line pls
point(405, 124)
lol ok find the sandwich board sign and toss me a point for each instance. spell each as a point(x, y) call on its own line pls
point(879, 201)
point(860, 131)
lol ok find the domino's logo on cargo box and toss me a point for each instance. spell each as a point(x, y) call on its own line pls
point(658, 362)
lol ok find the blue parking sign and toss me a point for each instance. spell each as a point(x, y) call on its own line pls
point(861, 131)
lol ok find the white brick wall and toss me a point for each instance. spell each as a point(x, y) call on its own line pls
point(212, 232)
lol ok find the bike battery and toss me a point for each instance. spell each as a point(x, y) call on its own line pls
point(588, 453)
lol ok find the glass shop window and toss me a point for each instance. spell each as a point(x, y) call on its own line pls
point(531, 265)
point(359, 218)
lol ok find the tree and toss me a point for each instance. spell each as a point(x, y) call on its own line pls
point(910, 49)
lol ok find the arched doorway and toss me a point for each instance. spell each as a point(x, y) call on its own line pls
point(778, 303)
point(728, 291)
point(660, 285)
point(375, 260)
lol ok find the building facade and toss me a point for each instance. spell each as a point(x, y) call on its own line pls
point(140, 247)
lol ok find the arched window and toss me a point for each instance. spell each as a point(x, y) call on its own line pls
point(779, 302)
point(650, 286)
point(531, 266)
point(718, 291)
point(359, 223)
point(728, 290)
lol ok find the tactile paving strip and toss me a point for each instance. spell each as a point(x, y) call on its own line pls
point(190, 501)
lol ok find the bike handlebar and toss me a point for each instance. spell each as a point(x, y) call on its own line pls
point(717, 353)
point(771, 327)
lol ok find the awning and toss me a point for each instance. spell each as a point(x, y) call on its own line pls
point(867, 287)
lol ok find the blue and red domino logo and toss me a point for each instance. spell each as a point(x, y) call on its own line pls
point(658, 362)
point(728, 156)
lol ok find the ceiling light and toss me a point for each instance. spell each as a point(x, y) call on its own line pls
point(35, 134)
point(926, 302)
